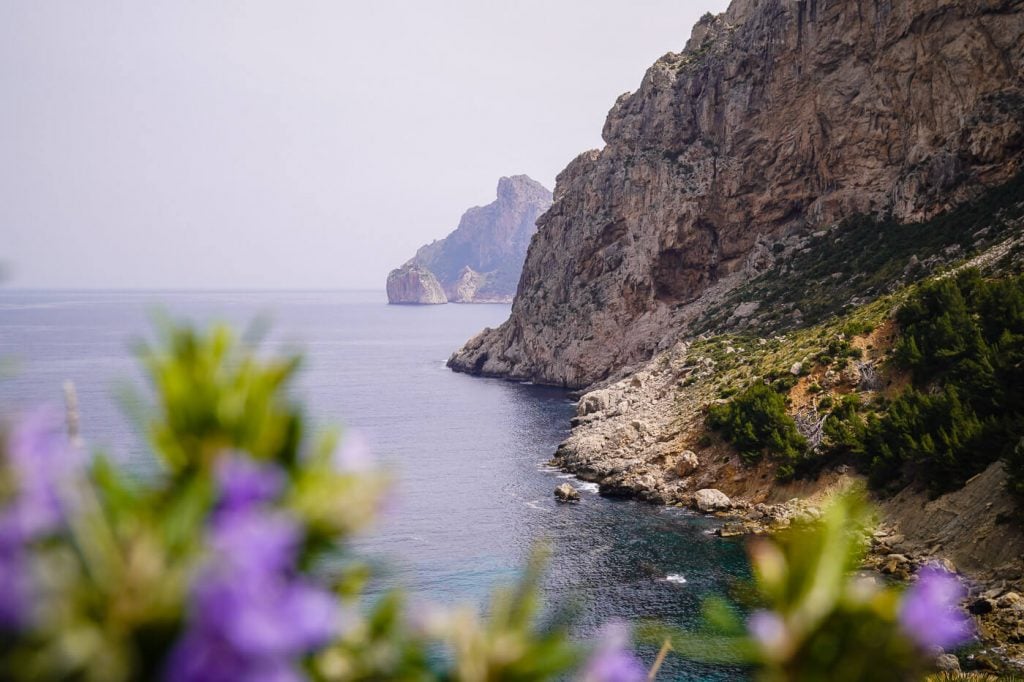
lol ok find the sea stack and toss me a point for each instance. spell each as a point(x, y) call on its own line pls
point(482, 259)
point(414, 284)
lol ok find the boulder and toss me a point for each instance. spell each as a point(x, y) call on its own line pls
point(947, 663)
point(731, 530)
point(711, 500)
point(686, 463)
point(567, 493)
point(593, 402)
point(1011, 600)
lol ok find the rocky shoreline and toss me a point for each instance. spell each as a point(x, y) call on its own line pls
point(644, 436)
point(994, 598)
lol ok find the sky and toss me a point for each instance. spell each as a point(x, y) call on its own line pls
point(293, 144)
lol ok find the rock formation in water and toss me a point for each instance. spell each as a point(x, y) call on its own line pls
point(779, 118)
point(480, 262)
point(413, 283)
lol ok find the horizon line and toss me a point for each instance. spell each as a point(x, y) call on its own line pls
point(65, 289)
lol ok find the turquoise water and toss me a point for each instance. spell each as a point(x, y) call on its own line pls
point(472, 494)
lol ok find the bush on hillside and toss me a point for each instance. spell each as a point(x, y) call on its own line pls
point(963, 341)
point(756, 423)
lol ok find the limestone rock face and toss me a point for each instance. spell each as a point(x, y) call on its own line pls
point(481, 261)
point(416, 285)
point(780, 117)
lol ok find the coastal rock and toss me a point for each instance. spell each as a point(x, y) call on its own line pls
point(414, 284)
point(1011, 600)
point(594, 402)
point(711, 500)
point(779, 119)
point(567, 493)
point(947, 663)
point(481, 260)
point(686, 464)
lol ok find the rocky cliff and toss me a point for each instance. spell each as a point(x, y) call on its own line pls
point(414, 284)
point(779, 118)
point(480, 262)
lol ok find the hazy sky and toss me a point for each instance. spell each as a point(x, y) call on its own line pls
point(295, 143)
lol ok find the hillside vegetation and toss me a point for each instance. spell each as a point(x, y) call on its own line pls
point(961, 342)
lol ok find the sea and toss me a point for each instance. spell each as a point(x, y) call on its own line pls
point(473, 488)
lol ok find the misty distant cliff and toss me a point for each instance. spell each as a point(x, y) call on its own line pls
point(479, 262)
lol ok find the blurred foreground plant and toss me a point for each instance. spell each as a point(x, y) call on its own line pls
point(816, 619)
point(214, 569)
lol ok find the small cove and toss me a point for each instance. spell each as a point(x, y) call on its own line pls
point(472, 493)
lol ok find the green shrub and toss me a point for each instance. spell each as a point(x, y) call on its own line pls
point(857, 328)
point(844, 427)
point(756, 423)
point(963, 341)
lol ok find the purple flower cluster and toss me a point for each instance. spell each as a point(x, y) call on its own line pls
point(252, 614)
point(612, 660)
point(38, 464)
point(930, 612)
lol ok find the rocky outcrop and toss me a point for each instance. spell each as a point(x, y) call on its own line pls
point(566, 493)
point(780, 117)
point(481, 261)
point(414, 284)
point(467, 286)
point(686, 463)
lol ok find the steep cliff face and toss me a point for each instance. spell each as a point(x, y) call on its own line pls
point(780, 117)
point(482, 259)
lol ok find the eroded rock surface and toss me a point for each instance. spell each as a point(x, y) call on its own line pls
point(414, 284)
point(778, 119)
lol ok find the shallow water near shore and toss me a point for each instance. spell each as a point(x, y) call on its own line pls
point(472, 494)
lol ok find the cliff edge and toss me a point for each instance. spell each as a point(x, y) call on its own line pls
point(779, 118)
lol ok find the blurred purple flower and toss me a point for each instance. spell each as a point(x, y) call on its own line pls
point(199, 657)
point(255, 540)
point(41, 460)
point(769, 630)
point(612, 660)
point(251, 615)
point(930, 612)
point(354, 455)
point(244, 482)
point(273, 615)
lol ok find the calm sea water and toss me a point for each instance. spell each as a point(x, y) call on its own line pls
point(473, 494)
